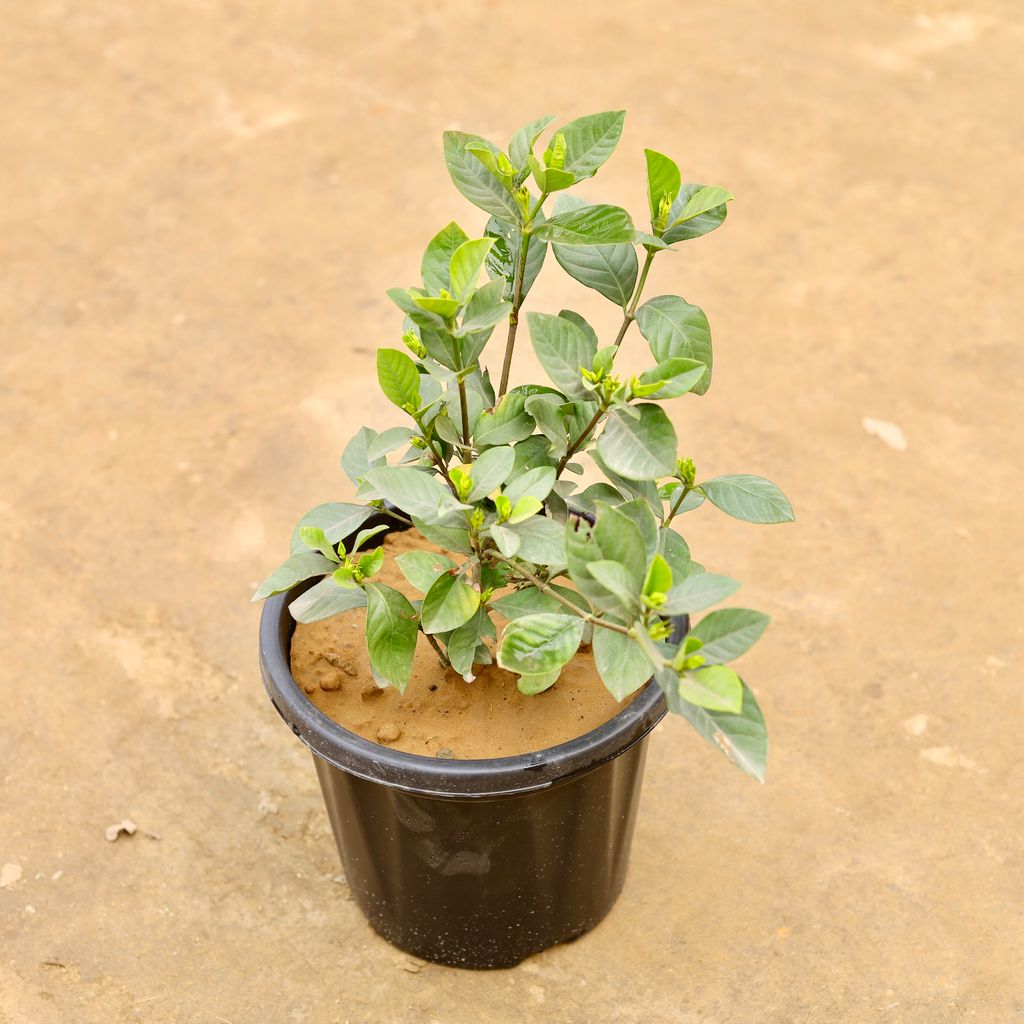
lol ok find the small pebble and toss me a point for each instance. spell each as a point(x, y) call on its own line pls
point(447, 753)
point(331, 683)
point(388, 732)
point(309, 687)
point(371, 690)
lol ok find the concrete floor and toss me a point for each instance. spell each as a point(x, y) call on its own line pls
point(203, 205)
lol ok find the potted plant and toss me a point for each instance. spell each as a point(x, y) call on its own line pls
point(483, 860)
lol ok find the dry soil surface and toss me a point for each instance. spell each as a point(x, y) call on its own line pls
point(203, 205)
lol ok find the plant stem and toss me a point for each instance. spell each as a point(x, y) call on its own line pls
point(544, 588)
point(465, 419)
point(441, 656)
point(517, 295)
point(630, 314)
point(395, 515)
point(584, 434)
point(679, 501)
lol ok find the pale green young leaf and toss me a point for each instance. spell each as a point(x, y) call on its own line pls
point(523, 141)
point(600, 224)
point(699, 225)
point(659, 577)
point(538, 644)
point(524, 509)
point(399, 379)
point(316, 540)
point(364, 535)
point(444, 308)
point(390, 634)
point(642, 448)
point(750, 498)
point(325, 599)
point(422, 568)
point(467, 262)
point(448, 603)
point(703, 200)
point(438, 257)
point(673, 329)
point(621, 664)
point(337, 519)
point(370, 564)
point(715, 688)
point(741, 737)
point(474, 180)
point(728, 633)
point(562, 348)
point(698, 591)
point(299, 566)
point(590, 140)
point(531, 685)
point(676, 376)
point(663, 181)
point(416, 492)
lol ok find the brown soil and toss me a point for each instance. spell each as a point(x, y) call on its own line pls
point(440, 714)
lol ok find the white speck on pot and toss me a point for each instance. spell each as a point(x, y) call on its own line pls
point(886, 432)
point(9, 875)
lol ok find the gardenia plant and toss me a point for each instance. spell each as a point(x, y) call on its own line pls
point(487, 471)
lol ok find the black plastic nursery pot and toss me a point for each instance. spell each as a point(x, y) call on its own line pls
point(473, 863)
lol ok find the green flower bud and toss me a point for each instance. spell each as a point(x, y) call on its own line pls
point(661, 220)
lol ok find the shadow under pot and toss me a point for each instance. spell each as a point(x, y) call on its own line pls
point(475, 863)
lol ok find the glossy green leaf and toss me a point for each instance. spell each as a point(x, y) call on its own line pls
point(399, 379)
point(698, 591)
point(300, 566)
point(642, 448)
point(507, 423)
point(490, 471)
point(337, 519)
point(421, 568)
point(501, 258)
point(676, 376)
point(438, 257)
point(315, 539)
point(448, 603)
point(537, 482)
point(536, 644)
point(462, 645)
point(415, 491)
point(391, 632)
point(523, 141)
point(474, 180)
point(673, 329)
point(524, 508)
point(703, 200)
point(728, 633)
point(325, 599)
point(608, 269)
point(696, 226)
point(590, 140)
point(588, 225)
point(562, 348)
point(750, 498)
point(622, 666)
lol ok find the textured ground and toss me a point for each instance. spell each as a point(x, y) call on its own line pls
point(203, 203)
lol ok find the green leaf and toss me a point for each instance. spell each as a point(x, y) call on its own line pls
point(562, 348)
point(474, 180)
point(421, 568)
point(524, 508)
point(523, 141)
point(640, 514)
point(622, 666)
point(545, 409)
point(509, 422)
point(501, 258)
point(715, 688)
point(696, 226)
point(438, 257)
point(620, 540)
point(370, 563)
point(387, 441)
point(399, 379)
point(467, 262)
point(573, 317)
point(530, 685)
point(451, 538)
point(485, 308)
point(608, 269)
point(541, 541)
point(462, 645)
point(742, 737)
point(590, 140)
point(698, 591)
point(673, 328)
point(728, 633)
point(337, 519)
point(315, 538)
point(531, 601)
point(506, 539)
point(589, 225)
point(325, 599)
point(364, 535)
point(703, 200)
point(448, 603)
point(662, 180)
point(676, 552)
point(659, 577)
point(300, 566)
point(620, 583)
point(677, 376)
point(639, 449)
point(490, 471)
point(390, 634)
point(416, 492)
point(750, 498)
point(445, 308)
point(536, 482)
point(536, 644)
point(355, 461)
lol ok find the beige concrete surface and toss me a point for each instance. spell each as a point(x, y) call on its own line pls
point(203, 203)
